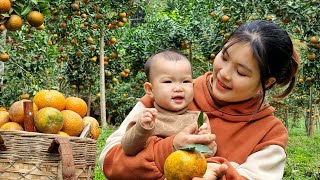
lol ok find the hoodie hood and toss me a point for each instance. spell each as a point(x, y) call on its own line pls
point(248, 110)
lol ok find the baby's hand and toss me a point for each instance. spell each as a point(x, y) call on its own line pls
point(148, 118)
point(204, 129)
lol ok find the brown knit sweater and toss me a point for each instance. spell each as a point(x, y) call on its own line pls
point(167, 123)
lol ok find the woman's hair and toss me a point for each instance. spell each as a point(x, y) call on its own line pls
point(273, 50)
point(168, 54)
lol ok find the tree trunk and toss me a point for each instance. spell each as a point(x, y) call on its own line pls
point(190, 52)
point(286, 123)
point(102, 82)
point(310, 119)
point(89, 101)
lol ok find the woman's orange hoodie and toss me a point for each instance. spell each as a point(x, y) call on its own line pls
point(240, 131)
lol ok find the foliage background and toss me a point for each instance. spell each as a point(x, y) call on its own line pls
point(60, 57)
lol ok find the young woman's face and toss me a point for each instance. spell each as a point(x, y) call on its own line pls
point(171, 81)
point(236, 75)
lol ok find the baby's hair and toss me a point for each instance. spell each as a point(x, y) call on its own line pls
point(167, 54)
point(273, 49)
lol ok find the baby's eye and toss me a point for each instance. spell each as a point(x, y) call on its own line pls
point(166, 81)
point(187, 81)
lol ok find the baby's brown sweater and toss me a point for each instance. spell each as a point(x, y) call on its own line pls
point(166, 124)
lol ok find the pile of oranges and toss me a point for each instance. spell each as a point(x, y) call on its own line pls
point(53, 114)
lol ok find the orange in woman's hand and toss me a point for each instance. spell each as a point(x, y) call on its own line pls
point(184, 165)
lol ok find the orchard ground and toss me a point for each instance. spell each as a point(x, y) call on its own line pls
point(303, 160)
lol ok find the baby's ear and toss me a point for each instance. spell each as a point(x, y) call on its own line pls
point(148, 88)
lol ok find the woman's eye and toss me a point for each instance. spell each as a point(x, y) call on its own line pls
point(241, 74)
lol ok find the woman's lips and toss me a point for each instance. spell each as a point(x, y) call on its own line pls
point(221, 87)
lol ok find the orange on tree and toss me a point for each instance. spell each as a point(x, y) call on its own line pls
point(72, 123)
point(185, 165)
point(94, 126)
point(314, 40)
point(13, 23)
point(35, 18)
point(225, 18)
point(48, 120)
point(4, 117)
point(41, 27)
point(11, 126)
point(24, 96)
point(5, 6)
point(2, 28)
point(16, 111)
point(77, 105)
point(50, 98)
point(3, 109)
point(4, 57)
point(311, 56)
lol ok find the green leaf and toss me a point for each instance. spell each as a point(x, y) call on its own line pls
point(200, 119)
point(196, 147)
point(26, 10)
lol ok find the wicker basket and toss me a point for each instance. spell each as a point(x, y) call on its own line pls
point(31, 155)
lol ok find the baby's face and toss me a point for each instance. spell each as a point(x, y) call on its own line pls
point(172, 85)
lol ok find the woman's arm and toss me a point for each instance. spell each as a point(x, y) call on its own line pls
point(267, 163)
point(115, 138)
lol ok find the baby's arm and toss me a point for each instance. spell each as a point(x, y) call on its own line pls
point(138, 132)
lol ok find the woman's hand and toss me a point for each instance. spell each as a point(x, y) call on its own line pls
point(214, 171)
point(189, 136)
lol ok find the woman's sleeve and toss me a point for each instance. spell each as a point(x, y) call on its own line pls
point(267, 163)
point(147, 164)
point(115, 137)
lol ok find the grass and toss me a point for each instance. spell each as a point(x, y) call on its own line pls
point(303, 160)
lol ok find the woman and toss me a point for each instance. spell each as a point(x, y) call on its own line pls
point(251, 140)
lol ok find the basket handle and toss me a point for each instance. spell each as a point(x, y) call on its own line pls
point(2, 145)
point(64, 147)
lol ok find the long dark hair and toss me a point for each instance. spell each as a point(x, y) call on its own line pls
point(273, 50)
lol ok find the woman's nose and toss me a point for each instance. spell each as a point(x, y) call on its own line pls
point(225, 73)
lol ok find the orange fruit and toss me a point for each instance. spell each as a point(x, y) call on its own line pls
point(4, 57)
point(35, 18)
point(11, 126)
point(62, 133)
point(50, 98)
point(4, 117)
point(5, 6)
point(24, 96)
point(185, 165)
point(16, 111)
point(41, 27)
point(314, 40)
point(2, 28)
point(3, 109)
point(94, 126)
point(122, 14)
point(13, 23)
point(72, 123)
point(311, 56)
point(77, 105)
point(225, 18)
point(48, 120)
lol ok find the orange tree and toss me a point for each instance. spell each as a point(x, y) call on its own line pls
point(70, 45)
